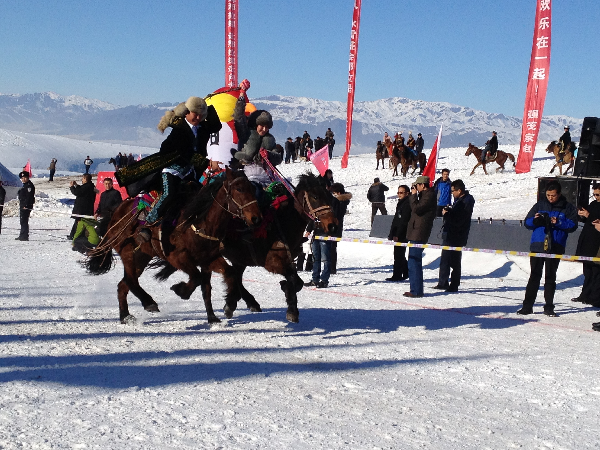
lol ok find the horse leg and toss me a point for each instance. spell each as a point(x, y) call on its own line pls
point(553, 167)
point(133, 268)
point(206, 289)
point(236, 290)
point(484, 169)
point(476, 166)
point(289, 287)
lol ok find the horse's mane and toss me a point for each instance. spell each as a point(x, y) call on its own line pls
point(201, 202)
point(308, 181)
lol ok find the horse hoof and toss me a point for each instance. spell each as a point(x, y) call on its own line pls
point(228, 312)
point(152, 308)
point(256, 309)
point(128, 320)
point(179, 290)
point(213, 319)
point(292, 317)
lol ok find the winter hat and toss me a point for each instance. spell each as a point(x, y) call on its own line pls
point(265, 119)
point(172, 116)
point(376, 180)
point(197, 105)
point(24, 174)
point(422, 179)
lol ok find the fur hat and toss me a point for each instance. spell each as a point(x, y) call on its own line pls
point(24, 174)
point(170, 117)
point(197, 105)
point(422, 179)
point(265, 119)
point(376, 180)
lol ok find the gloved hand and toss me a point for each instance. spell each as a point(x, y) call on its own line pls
point(263, 152)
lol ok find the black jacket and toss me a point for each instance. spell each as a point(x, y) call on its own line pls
point(109, 202)
point(589, 239)
point(457, 221)
point(182, 137)
point(85, 196)
point(419, 144)
point(290, 147)
point(2, 195)
point(27, 195)
point(400, 222)
point(376, 193)
point(492, 144)
point(566, 138)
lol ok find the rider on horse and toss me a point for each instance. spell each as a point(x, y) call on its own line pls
point(411, 143)
point(564, 142)
point(491, 147)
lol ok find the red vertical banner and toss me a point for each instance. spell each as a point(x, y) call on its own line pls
point(537, 85)
point(231, 43)
point(351, 79)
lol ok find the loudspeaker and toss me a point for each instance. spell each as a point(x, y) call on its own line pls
point(588, 156)
point(575, 190)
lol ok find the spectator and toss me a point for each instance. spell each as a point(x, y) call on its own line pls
point(376, 195)
point(52, 169)
point(330, 141)
point(2, 199)
point(123, 160)
point(442, 187)
point(419, 143)
point(589, 245)
point(422, 205)
point(118, 160)
point(85, 196)
point(319, 143)
point(130, 159)
point(26, 200)
point(327, 179)
point(341, 200)
point(88, 163)
point(297, 148)
point(398, 234)
point(110, 200)
point(551, 219)
point(85, 237)
point(457, 224)
point(289, 150)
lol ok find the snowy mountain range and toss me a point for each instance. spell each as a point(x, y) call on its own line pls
point(94, 120)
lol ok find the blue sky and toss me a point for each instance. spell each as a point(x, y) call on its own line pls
point(467, 52)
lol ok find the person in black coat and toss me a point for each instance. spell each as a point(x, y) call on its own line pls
point(2, 198)
point(457, 224)
point(564, 141)
point(419, 143)
point(398, 234)
point(289, 150)
point(376, 195)
point(339, 205)
point(589, 245)
point(26, 197)
point(110, 200)
point(491, 147)
point(85, 196)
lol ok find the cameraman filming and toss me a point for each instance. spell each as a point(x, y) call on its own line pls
point(551, 219)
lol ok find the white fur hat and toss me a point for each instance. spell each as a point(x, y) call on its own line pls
point(197, 105)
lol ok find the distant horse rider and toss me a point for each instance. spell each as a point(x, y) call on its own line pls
point(491, 147)
point(411, 143)
point(419, 143)
point(564, 142)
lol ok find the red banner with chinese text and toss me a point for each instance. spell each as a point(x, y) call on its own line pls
point(537, 85)
point(351, 79)
point(231, 43)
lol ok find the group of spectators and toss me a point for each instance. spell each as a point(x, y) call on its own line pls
point(123, 160)
point(302, 147)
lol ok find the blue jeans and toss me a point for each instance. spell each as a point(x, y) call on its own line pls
point(321, 253)
point(415, 269)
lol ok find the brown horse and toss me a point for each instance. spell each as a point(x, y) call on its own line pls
point(381, 153)
point(567, 158)
point(275, 245)
point(194, 242)
point(500, 158)
point(408, 159)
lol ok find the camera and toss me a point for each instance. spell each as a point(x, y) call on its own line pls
point(543, 220)
point(447, 208)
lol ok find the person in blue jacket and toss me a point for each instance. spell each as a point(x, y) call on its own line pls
point(442, 187)
point(551, 219)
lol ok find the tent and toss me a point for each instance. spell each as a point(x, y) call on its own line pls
point(10, 182)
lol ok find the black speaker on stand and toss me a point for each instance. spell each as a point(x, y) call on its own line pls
point(587, 163)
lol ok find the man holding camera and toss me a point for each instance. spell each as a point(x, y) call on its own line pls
point(457, 224)
point(551, 219)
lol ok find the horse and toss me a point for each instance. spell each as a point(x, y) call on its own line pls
point(195, 241)
point(568, 156)
point(408, 159)
point(275, 245)
point(114, 163)
point(381, 153)
point(500, 158)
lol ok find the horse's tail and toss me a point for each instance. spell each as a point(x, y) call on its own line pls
point(166, 269)
point(512, 158)
point(99, 261)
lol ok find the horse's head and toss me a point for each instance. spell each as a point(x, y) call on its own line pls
point(241, 198)
point(470, 149)
point(551, 147)
point(315, 201)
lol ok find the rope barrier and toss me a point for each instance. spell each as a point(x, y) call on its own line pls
point(460, 249)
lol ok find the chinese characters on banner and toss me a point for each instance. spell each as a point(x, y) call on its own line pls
point(537, 85)
point(231, 43)
point(351, 79)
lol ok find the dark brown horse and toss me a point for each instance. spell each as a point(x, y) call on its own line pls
point(568, 156)
point(381, 153)
point(500, 158)
point(194, 242)
point(275, 245)
point(408, 159)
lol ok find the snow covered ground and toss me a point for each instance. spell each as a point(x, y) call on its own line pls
point(366, 368)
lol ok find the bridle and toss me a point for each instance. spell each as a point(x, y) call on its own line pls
point(315, 213)
point(229, 198)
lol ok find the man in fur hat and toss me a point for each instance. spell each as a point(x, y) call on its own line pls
point(192, 124)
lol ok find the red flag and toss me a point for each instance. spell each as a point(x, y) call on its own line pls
point(537, 85)
point(231, 43)
point(27, 169)
point(139, 157)
point(321, 160)
point(351, 79)
point(431, 166)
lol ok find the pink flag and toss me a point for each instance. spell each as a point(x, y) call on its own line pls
point(321, 160)
point(431, 166)
point(139, 157)
point(27, 169)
